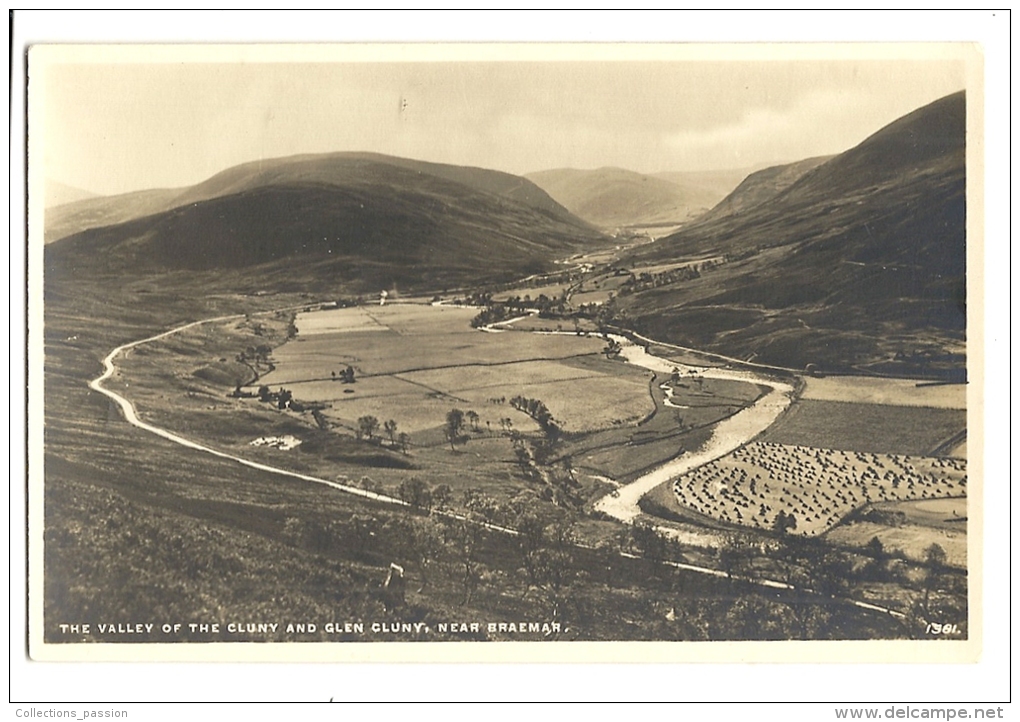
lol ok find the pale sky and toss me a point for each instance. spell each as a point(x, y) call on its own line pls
point(113, 128)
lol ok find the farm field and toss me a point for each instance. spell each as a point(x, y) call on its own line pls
point(939, 513)
point(806, 491)
point(550, 291)
point(415, 363)
point(891, 392)
point(910, 527)
point(871, 428)
point(406, 338)
point(537, 323)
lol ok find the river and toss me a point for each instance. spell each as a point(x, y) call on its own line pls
point(729, 434)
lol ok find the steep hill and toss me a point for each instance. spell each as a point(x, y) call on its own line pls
point(318, 220)
point(331, 168)
point(761, 186)
point(614, 198)
point(859, 263)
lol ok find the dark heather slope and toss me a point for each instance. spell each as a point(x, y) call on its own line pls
point(859, 264)
point(761, 187)
point(380, 223)
point(329, 169)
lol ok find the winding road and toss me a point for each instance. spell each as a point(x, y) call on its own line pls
point(621, 504)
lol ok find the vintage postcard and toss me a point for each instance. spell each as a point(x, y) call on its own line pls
point(505, 352)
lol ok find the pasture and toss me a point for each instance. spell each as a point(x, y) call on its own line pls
point(414, 363)
point(889, 392)
point(909, 528)
point(864, 427)
point(553, 291)
point(762, 484)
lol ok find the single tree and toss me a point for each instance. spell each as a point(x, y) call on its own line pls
point(875, 548)
point(403, 439)
point(454, 426)
point(283, 398)
point(424, 545)
point(442, 495)
point(935, 560)
point(416, 493)
point(367, 426)
point(391, 429)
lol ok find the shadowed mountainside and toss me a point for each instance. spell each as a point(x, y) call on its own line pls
point(329, 169)
point(760, 187)
point(861, 263)
point(344, 216)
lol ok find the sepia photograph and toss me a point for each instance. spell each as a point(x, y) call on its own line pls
point(347, 352)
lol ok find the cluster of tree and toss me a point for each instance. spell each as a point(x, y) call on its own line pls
point(491, 314)
point(610, 314)
point(612, 349)
point(535, 462)
point(784, 522)
point(645, 280)
point(368, 427)
point(742, 255)
point(283, 398)
point(545, 558)
point(478, 298)
point(346, 375)
point(255, 358)
point(454, 428)
point(494, 312)
point(538, 411)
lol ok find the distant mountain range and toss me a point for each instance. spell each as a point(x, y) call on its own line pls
point(614, 198)
point(856, 261)
point(57, 193)
point(327, 216)
point(861, 262)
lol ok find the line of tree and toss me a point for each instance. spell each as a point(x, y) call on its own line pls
point(538, 411)
point(546, 560)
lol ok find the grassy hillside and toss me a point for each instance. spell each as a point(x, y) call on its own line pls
point(339, 169)
point(140, 528)
point(860, 263)
point(760, 187)
point(96, 212)
point(613, 197)
point(306, 223)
